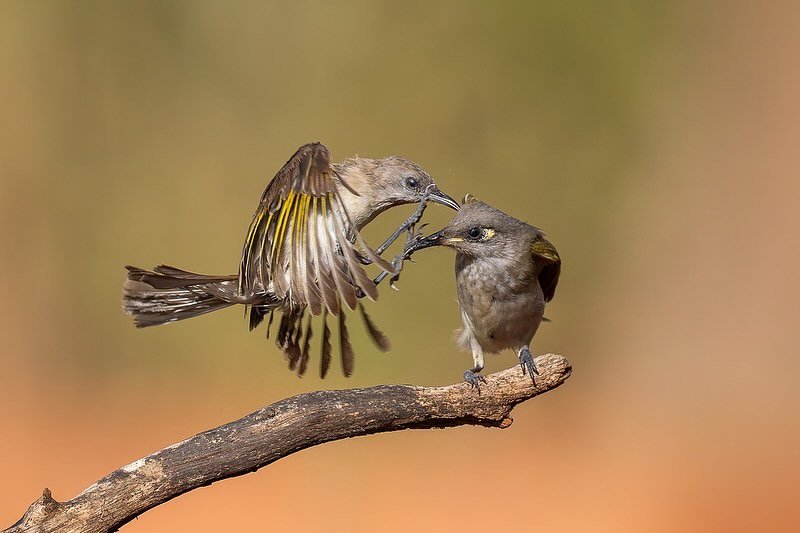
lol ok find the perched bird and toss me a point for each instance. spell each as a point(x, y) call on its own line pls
point(506, 271)
point(303, 252)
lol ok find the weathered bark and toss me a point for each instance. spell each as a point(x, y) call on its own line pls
point(281, 429)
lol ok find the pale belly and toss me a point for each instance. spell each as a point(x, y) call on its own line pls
point(498, 313)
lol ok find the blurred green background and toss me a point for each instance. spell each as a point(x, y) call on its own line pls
point(655, 143)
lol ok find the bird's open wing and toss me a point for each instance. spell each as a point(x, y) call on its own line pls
point(546, 253)
point(301, 240)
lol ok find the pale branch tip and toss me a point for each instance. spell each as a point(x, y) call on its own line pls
point(281, 429)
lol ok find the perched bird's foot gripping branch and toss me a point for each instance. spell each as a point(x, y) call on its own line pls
point(279, 430)
point(528, 363)
point(474, 379)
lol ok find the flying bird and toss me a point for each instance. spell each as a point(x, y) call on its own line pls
point(303, 255)
point(506, 271)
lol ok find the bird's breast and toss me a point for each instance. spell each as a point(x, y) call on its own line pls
point(503, 307)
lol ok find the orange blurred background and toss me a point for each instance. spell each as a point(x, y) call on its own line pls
point(655, 142)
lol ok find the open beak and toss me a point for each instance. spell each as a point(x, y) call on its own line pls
point(441, 198)
point(434, 239)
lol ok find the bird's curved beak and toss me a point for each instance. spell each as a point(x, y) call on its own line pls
point(434, 239)
point(439, 197)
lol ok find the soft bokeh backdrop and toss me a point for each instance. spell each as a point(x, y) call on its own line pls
point(655, 142)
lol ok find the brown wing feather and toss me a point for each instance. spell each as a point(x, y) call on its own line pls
point(345, 348)
point(303, 248)
point(378, 337)
point(300, 243)
point(307, 172)
point(325, 346)
point(545, 253)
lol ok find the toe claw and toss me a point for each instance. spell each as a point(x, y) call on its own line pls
point(474, 379)
point(528, 363)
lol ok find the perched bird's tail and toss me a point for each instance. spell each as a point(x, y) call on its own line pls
point(169, 294)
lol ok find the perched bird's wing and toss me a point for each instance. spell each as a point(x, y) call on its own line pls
point(301, 243)
point(546, 254)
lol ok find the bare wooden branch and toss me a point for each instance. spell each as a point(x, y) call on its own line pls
point(281, 429)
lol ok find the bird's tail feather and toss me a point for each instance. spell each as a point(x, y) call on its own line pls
point(168, 294)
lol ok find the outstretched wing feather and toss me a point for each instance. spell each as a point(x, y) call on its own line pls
point(302, 243)
point(369, 252)
point(339, 272)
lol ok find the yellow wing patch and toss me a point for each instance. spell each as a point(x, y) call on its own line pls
point(544, 249)
point(283, 216)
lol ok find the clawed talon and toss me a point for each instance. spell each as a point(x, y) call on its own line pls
point(408, 224)
point(474, 379)
point(397, 263)
point(413, 237)
point(413, 234)
point(528, 363)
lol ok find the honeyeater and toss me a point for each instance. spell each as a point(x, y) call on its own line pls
point(303, 255)
point(506, 271)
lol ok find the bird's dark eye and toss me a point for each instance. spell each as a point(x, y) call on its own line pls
point(412, 183)
point(475, 233)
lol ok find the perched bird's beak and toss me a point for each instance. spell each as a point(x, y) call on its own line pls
point(441, 198)
point(434, 239)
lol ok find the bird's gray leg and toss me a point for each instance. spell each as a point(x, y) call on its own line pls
point(472, 376)
point(527, 362)
point(408, 225)
point(397, 264)
point(398, 261)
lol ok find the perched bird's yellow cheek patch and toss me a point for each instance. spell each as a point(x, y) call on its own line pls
point(488, 234)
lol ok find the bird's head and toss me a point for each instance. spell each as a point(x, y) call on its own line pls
point(392, 181)
point(479, 230)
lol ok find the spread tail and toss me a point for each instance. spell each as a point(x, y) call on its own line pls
point(168, 294)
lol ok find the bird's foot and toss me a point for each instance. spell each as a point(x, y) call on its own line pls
point(409, 224)
point(474, 379)
point(397, 264)
point(413, 234)
point(528, 364)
